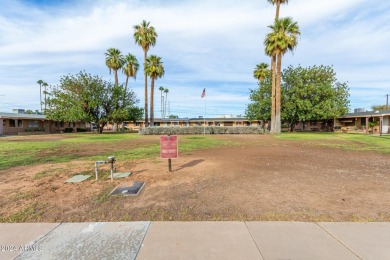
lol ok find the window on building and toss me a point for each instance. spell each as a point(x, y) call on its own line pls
point(4, 122)
point(12, 123)
point(20, 123)
point(33, 123)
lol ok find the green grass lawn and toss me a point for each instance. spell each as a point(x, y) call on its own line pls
point(357, 142)
point(18, 153)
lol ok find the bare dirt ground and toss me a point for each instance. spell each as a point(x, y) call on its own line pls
point(262, 178)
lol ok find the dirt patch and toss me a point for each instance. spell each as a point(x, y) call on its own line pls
point(259, 178)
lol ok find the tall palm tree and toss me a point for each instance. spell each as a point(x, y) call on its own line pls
point(44, 92)
point(161, 100)
point(145, 36)
point(273, 67)
point(155, 70)
point(114, 61)
point(277, 3)
point(282, 38)
point(130, 68)
point(261, 71)
point(40, 82)
point(166, 98)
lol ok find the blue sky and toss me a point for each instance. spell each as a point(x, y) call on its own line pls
point(211, 44)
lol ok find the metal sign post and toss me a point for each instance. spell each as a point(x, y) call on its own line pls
point(169, 149)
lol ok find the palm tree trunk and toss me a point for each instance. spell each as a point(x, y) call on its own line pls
point(273, 104)
point(116, 77)
point(277, 10)
point(146, 92)
point(45, 97)
point(165, 107)
point(40, 95)
point(278, 128)
point(152, 102)
point(124, 98)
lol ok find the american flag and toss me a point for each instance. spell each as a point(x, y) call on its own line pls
point(203, 93)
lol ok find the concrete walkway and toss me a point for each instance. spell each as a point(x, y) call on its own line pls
point(195, 240)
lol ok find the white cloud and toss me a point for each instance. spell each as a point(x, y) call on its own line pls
point(214, 43)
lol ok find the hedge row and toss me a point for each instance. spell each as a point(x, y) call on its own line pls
point(197, 130)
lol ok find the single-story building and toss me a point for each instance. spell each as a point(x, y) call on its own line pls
point(375, 122)
point(20, 123)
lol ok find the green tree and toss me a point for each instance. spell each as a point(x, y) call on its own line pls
point(161, 100)
point(166, 91)
point(378, 107)
point(273, 67)
point(282, 38)
point(312, 93)
point(114, 62)
point(260, 107)
point(130, 68)
point(45, 85)
point(155, 70)
point(261, 72)
point(145, 36)
point(88, 98)
point(40, 82)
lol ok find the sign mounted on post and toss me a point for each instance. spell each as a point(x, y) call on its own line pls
point(168, 147)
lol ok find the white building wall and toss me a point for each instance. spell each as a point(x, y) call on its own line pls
point(385, 125)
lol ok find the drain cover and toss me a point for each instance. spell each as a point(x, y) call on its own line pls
point(129, 190)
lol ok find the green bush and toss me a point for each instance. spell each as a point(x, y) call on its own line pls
point(198, 130)
point(68, 130)
point(34, 129)
point(81, 129)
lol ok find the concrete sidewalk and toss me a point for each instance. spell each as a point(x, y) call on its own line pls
point(195, 240)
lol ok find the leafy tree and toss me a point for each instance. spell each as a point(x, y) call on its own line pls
point(88, 98)
point(260, 108)
point(173, 116)
point(155, 69)
point(282, 38)
point(145, 36)
point(40, 82)
point(313, 93)
point(114, 61)
point(378, 107)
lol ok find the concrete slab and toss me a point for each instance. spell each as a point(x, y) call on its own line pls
point(78, 178)
point(103, 240)
point(368, 240)
point(296, 240)
point(118, 175)
point(16, 237)
point(198, 240)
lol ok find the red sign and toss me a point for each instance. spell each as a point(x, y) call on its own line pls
point(168, 147)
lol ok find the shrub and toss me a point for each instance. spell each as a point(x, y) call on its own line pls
point(81, 129)
point(198, 130)
point(68, 130)
point(34, 129)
